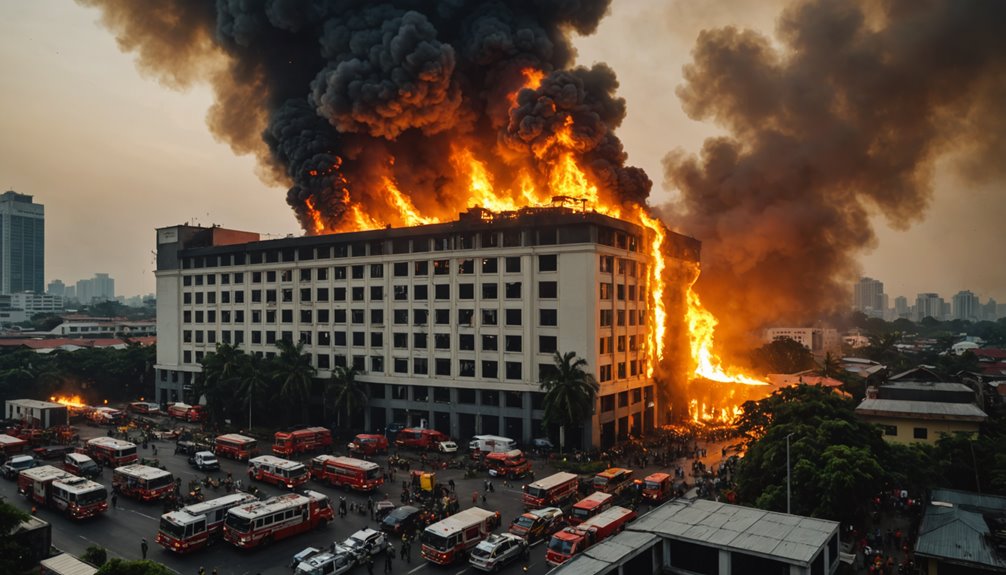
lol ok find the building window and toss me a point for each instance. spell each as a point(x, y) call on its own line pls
point(400, 365)
point(377, 363)
point(401, 316)
point(442, 341)
point(339, 272)
point(401, 292)
point(441, 267)
point(441, 395)
point(490, 370)
point(513, 290)
point(490, 343)
point(548, 317)
point(421, 268)
point(466, 396)
point(357, 272)
point(466, 368)
point(465, 317)
point(466, 267)
point(513, 316)
point(400, 340)
point(547, 344)
point(606, 317)
point(420, 366)
point(377, 270)
point(490, 291)
point(377, 316)
point(419, 340)
point(358, 338)
point(442, 316)
point(605, 290)
point(548, 290)
point(376, 339)
point(442, 291)
point(442, 366)
point(607, 403)
point(513, 343)
point(489, 316)
point(420, 316)
point(891, 430)
point(489, 265)
point(401, 269)
point(466, 291)
point(513, 370)
point(921, 433)
point(548, 263)
point(338, 294)
point(466, 342)
point(357, 316)
point(339, 338)
point(376, 293)
point(338, 316)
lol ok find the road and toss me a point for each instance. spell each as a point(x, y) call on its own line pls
point(120, 530)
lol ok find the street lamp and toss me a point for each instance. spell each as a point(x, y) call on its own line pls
point(787, 474)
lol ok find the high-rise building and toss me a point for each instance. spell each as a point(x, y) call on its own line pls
point(928, 305)
point(901, 308)
point(22, 244)
point(56, 288)
point(97, 289)
point(966, 306)
point(869, 297)
point(451, 324)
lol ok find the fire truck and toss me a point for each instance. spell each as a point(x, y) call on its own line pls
point(282, 472)
point(510, 464)
point(449, 539)
point(52, 487)
point(657, 487)
point(111, 452)
point(613, 480)
point(235, 446)
point(106, 416)
point(590, 506)
point(367, 444)
point(143, 482)
point(195, 526)
point(572, 540)
point(553, 491)
point(419, 438)
point(301, 440)
point(186, 412)
point(347, 472)
point(262, 522)
point(10, 445)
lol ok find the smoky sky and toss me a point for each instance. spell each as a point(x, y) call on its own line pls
point(334, 97)
point(840, 118)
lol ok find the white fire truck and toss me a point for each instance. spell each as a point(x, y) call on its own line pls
point(52, 487)
point(262, 522)
point(195, 526)
point(143, 482)
point(449, 539)
point(279, 471)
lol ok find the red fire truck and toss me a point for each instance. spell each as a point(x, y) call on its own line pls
point(449, 539)
point(195, 526)
point(52, 487)
point(301, 440)
point(143, 482)
point(553, 491)
point(590, 506)
point(281, 472)
point(111, 452)
point(419, 438)
point(186, 412)
point(235, 446)
point(510, 464)
point(613, 480)
point(347, 472)
point(657, 487)
point(10, 445)
point(367, 444)
point(263, 522)
point(572, 540)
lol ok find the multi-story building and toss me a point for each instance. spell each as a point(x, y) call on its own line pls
point(450, 324)
point(56, 288)
point(22, 244)
point(818, 340)
point(33, 303)
point(869, 297)
point(97, 289)
point(966, 306)
point(928, 305)
point(901, 308)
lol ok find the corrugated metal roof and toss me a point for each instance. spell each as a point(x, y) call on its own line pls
point(958, 535)
point(928, 386)
point(969, 499)
point(67, 564)
point(921, 409)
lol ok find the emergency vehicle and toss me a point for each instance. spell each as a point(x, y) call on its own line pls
point(657, 487)
point(480, 445)
point(367, 444)
point(106, 416)
point(590, 506)
point(52, 487)
point(553, 491)
point(419, 438)
point(347, 472)
point(186, 412)
point(262, 522)
point(110, 451)
point(10, 445)
point(81, 465)
point(282, 472)
point(510, 464)
point(538, 524)
point(235, 446)
point(450, 539)
point(572, 540)
point(301, 440)
point(195, 526)
point(143, 482)
point(613, 480)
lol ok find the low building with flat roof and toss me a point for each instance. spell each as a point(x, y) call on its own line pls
point(955, 535)
point(905, 421)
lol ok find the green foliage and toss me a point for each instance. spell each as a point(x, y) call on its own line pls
point(782, 356)
point(124, 567)
point(569, 392)
point(12, 554)
point(345, 395)
point(95, 555)
point(294, 374)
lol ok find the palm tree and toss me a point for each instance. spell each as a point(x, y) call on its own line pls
point(220, 376)
point(831, 366)
point(569, 394)
point(293, 372)
point(255, 384)
point(345, 394)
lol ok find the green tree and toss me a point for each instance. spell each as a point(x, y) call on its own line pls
point(831, 366)
point(219, 380)
point(95, 555)
point(782, 356)
point(255, 388)
point(294, 374)
point(123, 567)
point(345, 395)
point(569, 393)
point(12, 554)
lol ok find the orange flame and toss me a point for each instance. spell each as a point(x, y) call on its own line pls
point(701, 330)
point(68, 400)
point(405, 207)
point(319, 225)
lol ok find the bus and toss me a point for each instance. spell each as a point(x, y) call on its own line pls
point(111, 452)
point(448, 539)
point(301, 440)
point(281, 472)
point(186, 412)
point(590, 506)
point(262, 522)
point(347, 472)
point(195, 526)
point(553, 491)
point(143, 482)
point(613, 480)
point(235, 446)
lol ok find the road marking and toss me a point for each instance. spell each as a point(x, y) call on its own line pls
point(462, 571)
point(416, 569)
point(142, 514)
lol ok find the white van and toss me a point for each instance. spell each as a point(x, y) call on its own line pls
point(483, 444)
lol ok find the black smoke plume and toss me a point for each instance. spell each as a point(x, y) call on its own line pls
point(839, 120)
point(336, 96)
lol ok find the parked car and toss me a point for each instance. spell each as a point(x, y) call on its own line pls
point(53, 451)
point(364, 544)
point(447, 447)
point(16, 465)
point(204, 461)
point(496, 551)
point(404, 519)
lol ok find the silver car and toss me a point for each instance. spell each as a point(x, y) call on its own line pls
point(364, 544)
point(496, 551)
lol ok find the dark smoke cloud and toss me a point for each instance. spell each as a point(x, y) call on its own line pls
point(335, 96)
point(840, 120)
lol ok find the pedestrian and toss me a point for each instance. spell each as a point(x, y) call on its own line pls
point(408, 552)
point(370, 506)
point(483, 499)
point(451, 485)
point(485, 485)
point(370, 565)
point(388, 558)
point(405, 545)
point(491, 488)
point(475, 498)
point(143, 548)
point(202, 571)
point(154, 447)
point(115, 500)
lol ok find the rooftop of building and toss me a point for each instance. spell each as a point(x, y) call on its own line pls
point(955, 529)
point(900, 408)
point(45, 345)
point(927, 386)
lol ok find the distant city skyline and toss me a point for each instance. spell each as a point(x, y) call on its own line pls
point(870, 297)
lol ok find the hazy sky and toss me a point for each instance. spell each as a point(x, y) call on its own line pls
point(113, 155)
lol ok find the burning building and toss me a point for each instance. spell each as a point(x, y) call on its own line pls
point(451, 324)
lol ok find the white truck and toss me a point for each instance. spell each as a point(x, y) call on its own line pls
point(480, 445)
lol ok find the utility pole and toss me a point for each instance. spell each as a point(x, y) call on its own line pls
point(787, 475)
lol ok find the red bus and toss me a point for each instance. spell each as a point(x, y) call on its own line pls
point(301, 440)
point(553, 491)
point(77, 497)
point(347, 472)
point(186, 412)
point(367, 444)
point(195, 526)
point(590, 506)
point(510, 464)
point(143, 482)
point(613, 480)
point(419, 437)
point(448, 539)
point(235, 446)
point(283, 516)
point(282, 472)
point(111, 452)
